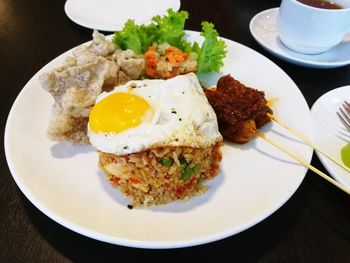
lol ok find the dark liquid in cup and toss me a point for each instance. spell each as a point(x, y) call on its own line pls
point(321, 4)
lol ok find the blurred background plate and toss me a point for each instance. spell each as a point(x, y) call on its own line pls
point(110, 15)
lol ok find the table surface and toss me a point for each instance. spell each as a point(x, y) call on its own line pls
point(313, 226)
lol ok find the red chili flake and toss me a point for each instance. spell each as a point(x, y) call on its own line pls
point(178, 192)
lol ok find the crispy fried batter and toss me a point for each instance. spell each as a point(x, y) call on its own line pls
point(75, 85)
point(240, 110)
point(131, 65)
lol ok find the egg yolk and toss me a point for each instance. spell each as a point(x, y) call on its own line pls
point(118, 112)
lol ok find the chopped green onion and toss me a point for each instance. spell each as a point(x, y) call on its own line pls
point(196, 168)
point(166, 162)
point(183, 161)
point(188, 171)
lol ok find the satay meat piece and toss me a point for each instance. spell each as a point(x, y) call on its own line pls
point(240, 110)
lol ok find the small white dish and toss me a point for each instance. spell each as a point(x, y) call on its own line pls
point(110, 15)
point(329, 133)
point(263, 27)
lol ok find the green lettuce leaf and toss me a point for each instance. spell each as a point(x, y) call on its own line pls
point(171, 28)
point(212, 52)
point(135, 37)
point(168, 28)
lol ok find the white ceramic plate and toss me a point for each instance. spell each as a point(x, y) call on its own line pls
point(329, 132)
point(110, 15)
point(65, 183)
point(263, 27)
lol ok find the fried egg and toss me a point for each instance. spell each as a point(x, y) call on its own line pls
point(144, 114)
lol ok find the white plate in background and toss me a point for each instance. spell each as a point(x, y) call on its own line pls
point(329, 133)
point(256, 179)
point(110, 15)
point(263, 27)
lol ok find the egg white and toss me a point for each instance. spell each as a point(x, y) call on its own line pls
point(182, 117)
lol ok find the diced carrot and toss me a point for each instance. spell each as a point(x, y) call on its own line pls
point(133, 180)
point(175, 55)
point(151, 72)
point(152, 63)
point(150, 52)
point(157, 67)
point(115, 180)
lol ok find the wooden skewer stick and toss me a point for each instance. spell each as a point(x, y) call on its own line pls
point(307, 165)
point(310, 143)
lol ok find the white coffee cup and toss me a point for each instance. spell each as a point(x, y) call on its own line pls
point(312, 30)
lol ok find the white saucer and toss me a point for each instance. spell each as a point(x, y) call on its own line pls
point(110, 15)
point(263, 27)
point(329, 133)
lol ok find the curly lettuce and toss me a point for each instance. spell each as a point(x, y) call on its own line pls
point(171, 28)
point(135, 37)
point(212, 52)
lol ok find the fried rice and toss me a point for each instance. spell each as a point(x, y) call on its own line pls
point(162, 175)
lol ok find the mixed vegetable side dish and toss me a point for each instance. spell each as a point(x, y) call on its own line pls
point(166, 51)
